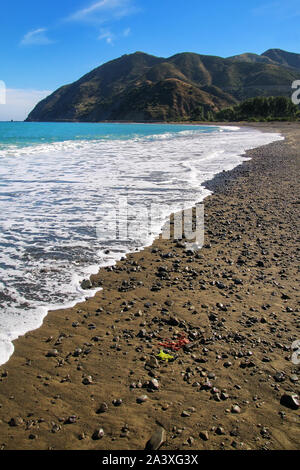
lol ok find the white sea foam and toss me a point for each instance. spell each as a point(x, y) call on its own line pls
point(54, 196)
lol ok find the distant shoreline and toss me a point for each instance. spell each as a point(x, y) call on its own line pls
point(189, 123)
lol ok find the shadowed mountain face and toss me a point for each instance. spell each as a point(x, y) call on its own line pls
point(141, 87)
point(286, 59)
point(272, 57)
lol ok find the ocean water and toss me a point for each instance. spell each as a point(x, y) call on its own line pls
point(66, 189)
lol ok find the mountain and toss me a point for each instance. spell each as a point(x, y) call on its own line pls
point(283, 58)
point(253, 58)
point(272, 57)
point(142, 87)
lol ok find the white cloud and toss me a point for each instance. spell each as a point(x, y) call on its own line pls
point(110, 37)
point(104, 10)
point(126, 32)
point(107, 35)
point(38, 37)
point(20, 102)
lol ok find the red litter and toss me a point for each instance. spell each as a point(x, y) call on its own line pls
point(175, 345)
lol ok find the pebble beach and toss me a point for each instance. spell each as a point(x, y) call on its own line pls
point(181, 349)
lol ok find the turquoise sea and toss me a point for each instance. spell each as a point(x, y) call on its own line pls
point(26, 134)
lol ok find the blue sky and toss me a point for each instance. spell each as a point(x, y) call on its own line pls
point(45, 44)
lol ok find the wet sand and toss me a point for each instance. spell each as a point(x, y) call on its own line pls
point(90, 378)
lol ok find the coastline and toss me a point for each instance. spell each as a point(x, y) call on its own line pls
point(74, 291)
point(51, 388)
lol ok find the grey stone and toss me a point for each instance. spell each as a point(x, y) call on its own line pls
point(157, 439)
point(204, 435)
point(290, 400)
point(16, 421)
point(98, 434)
point(142, 399)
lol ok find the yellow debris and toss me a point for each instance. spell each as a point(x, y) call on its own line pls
point(164, 356)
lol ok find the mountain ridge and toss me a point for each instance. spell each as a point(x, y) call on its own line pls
point(143, 87)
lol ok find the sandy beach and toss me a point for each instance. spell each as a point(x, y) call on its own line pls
point(90, 378)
